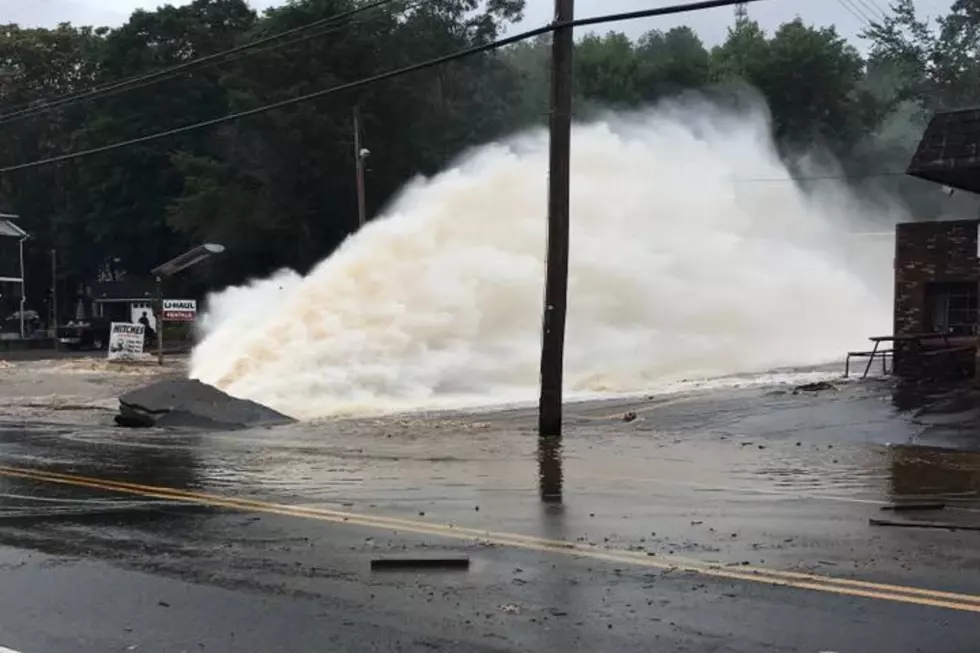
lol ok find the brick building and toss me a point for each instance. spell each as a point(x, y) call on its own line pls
point(937, 264)
point(937, 283)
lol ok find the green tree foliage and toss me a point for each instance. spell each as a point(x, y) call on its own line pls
point(35, 64)
point(672, 62)
point(278, 188)
point(812, 79)
point(935, 62)
point(917, 66)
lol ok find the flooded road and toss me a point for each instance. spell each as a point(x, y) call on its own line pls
point(722, 520)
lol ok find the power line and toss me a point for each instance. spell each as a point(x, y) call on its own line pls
point(855, 11)
point(431, 63)
point(837, 177)
point(138, 85)
point(200, 60)
point(874, 9)
point(140, 81)
point(210, 64)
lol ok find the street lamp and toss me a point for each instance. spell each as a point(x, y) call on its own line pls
point(169, 269)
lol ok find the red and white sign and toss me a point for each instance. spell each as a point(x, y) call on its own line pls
point(179, 310)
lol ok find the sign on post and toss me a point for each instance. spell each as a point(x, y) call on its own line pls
point(179, 310)
point(126, 341)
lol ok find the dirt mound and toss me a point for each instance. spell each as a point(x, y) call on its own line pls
point(191, 404)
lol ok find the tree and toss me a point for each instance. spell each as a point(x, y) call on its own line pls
point(672, 62)
point(613, 72)
point(937, 65)
point(287, 176)
point(607, 70)
point(36, 65)
point(529, 62)
point(130, 190)
point(904, 48)
point(812, 79)
point(277, 188)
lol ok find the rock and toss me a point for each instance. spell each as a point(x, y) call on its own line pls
point(133, 419)
point(814, 387)
point(192, 404)
point(629, 417)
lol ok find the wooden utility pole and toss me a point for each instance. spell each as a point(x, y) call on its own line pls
point(159, 320)
point(556, 275)
point(54, 297)
point(359, 167)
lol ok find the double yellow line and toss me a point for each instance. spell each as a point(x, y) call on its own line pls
point(798, 580)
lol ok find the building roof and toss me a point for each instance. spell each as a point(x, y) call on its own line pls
point(949, 151)
point(125, 290)
point(10, 230)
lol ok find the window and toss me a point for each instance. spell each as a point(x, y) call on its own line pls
point(952, 308)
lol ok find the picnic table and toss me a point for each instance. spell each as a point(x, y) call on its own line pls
point(914, 341)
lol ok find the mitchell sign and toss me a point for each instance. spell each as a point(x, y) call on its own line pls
point(126, 341)
point(179, 310)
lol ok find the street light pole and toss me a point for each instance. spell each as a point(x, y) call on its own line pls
point(54, 297)
point(172, 267)
point(359, 167)
point(159, 319)
point(556, 275)
point(23, 288)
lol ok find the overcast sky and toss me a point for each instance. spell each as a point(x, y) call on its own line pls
point(849, 16)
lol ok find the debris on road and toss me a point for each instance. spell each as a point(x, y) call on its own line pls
point(925, 524)
point(814, 387)
point(380, 564)
point(899, 507)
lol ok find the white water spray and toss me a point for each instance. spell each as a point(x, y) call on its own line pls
point(681, 267)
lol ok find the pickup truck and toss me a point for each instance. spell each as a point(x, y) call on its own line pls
point(91, 333)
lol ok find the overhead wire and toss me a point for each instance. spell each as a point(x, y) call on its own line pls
point(500, 43)
point(335, 23)
point(873, 8)
point(809, 178)
point(374, 79)
point(155, 81)
point(211, 64)
point(206, 58)
point(852, 9)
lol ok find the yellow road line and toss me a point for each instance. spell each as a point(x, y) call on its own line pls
point(798, 580)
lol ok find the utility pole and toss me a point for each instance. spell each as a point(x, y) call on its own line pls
point(54, 297)
point(23, 288)
point(359, 156)
point(159, 319)
point(556, 275)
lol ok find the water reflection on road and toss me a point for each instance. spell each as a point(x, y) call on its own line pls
point(721, 473)
point(933, 472)
point(550, 468)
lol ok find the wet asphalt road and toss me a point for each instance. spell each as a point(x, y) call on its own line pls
point(716, 521)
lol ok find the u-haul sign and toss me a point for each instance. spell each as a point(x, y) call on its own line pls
point(179, 310)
